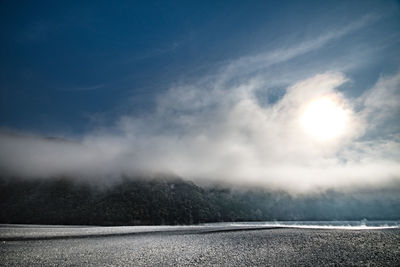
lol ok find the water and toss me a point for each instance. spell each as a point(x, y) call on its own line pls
point(32, 232)
point(351, 225)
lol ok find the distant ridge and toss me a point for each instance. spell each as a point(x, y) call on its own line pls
point(175, 201)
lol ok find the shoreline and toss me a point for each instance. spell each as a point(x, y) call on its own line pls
point(20, 232)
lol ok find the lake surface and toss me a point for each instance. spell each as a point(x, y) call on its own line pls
point(365, 243)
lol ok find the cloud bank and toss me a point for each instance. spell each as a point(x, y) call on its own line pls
point(219, 129)
point(227, 135)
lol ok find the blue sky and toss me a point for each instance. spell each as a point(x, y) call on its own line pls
point(208, 90)
point(65, 63)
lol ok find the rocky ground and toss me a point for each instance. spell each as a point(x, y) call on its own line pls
point(210, 247)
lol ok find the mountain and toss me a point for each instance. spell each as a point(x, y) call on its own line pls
point(136, 201)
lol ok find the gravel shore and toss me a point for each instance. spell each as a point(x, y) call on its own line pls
point(222, 247)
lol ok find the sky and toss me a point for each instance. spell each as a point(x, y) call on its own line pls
point(290, 95)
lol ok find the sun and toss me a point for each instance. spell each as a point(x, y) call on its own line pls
point(324, 119)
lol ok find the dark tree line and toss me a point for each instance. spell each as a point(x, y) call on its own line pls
point(175, 201)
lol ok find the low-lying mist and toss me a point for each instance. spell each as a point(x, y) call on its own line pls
point(228, 136)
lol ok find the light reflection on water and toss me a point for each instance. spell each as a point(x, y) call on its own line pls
point(351, 225)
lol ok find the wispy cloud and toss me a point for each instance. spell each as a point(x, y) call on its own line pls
point(253, 63)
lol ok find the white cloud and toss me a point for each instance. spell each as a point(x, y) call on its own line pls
point(382, 101)
point(223, 135)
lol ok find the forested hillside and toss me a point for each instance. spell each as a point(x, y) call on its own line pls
point(175, 201)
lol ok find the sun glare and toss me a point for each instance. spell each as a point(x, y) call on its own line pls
point(324, 119)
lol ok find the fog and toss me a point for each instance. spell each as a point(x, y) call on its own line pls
point(235, 127)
